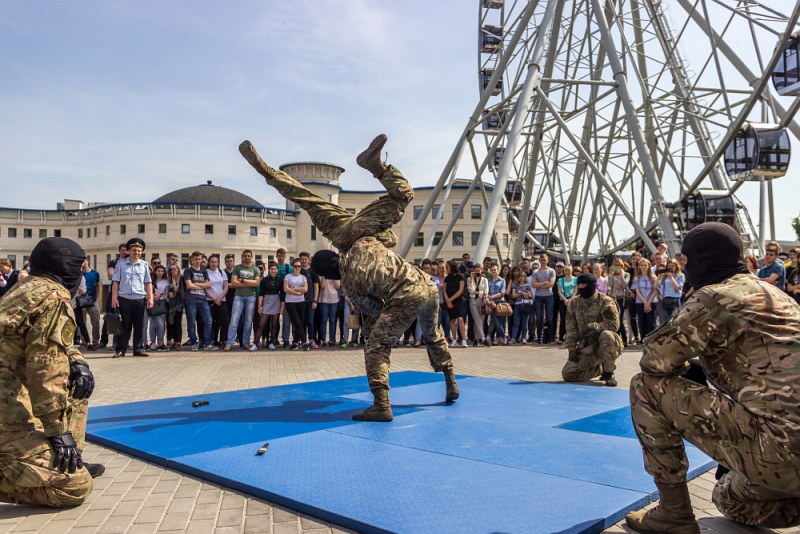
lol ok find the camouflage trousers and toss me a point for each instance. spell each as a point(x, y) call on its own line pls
point(27, 475)
point(763, 487)
point(336, 223)
point(595, 358)
point(421, 303)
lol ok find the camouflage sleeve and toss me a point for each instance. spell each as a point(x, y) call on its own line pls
point(610, 318)
point(47, 365)
point(685, 336)
point(572, 329)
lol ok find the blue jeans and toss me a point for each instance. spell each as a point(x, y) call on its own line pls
point(544, 311)
point(194, 311)
point(498, 325)
point(246, 305)
point(520, 328)
point(286, 328)
point(328, 314)
point(310, 321)
point(647, 321)
point(444, 320)
point(157, 329)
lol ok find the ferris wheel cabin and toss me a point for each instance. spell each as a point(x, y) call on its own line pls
point(514, 192)
point(786, 76)
point(758, 150)
point(493, 4)
point(707, 205)
point(491, 39)
point(486, 75)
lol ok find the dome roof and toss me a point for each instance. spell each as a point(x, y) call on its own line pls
point(207, 193)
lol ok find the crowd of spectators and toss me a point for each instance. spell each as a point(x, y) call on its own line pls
point(254, 305)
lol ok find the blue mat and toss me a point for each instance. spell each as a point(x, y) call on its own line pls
point(507, 457)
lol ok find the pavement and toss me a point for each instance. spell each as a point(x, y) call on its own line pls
point(136, 497)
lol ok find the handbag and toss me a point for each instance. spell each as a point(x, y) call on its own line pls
point(486, 307)
point(114, 323)
point(526, 306)
point(160, 307)
point(354, 321)
point(83, 301)
point(670, 302)
point(504, 309)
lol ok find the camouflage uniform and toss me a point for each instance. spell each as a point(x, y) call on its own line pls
point(37, 325)
point(592, 326)
point(747, 336)
point(390, 292)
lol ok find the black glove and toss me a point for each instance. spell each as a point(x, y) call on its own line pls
point(68, 457)
point(82, 378)
point(573, 356)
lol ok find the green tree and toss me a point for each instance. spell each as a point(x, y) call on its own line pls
point(796, 226)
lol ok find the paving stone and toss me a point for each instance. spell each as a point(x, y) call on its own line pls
point(33, 523)
point(259, 524)
point(205, 526)
point(146, 482)
point(186, 490)
point(105, 502)
point(127, 508)
point(175, 521)
point(257, 508)
point(56, 527)
point(205, 511)
point(229, 518)
point(165, 486)
point(142, 529)
point(231, 500)
point(286, 528)
point(180, 505)
point(116, 524)
point(281, 515)
point(307, 523)
point(136, 494)
point(151, 514)
point(209, 497)
point(92, 518)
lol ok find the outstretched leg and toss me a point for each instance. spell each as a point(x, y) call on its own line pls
point(438, 353)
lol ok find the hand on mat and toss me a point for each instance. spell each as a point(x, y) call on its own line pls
point(573, 356)
point(68, 457)
point(82, 378)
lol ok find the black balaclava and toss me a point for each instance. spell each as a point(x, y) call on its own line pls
point(714, 252)
point(326, 263)
point(59, 259)
point(591, 285)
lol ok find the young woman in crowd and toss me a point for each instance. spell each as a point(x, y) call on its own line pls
point(670, 287)
point(160, 286)
point(599, 272)
point(478, 289)
point(752, 264)
point(328, 306)
point(645, 285)
point(497, 291)
point(175, 297)
point(522, 293)
point(566, 290)
point(270, 305)
point(618, 290)
point(217, 304)
point(506, 274)
point(453, 291)
point(631, 301)
point(295, 286)
point(587, 267)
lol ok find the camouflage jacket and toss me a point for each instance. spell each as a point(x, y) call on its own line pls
point(747, 335)
point(586, 318)
point(36, 329)
point(373, 275)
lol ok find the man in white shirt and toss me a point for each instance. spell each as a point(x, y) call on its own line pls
point(217, 303)
point(132, 292)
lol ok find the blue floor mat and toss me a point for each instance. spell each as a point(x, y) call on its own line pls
point(508, 456)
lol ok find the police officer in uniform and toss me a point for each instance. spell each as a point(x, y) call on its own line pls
point(45, 384)
point(390, 292)
point(592, 339)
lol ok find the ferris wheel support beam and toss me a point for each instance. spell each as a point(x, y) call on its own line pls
point(532, 82)
point(635, 128)
point(487, 93)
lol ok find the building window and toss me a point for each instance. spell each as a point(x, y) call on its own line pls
point(458, 239)
point(258, 259)
point(351, 211)
point(417, 212)
point(209, 229)
point(108, 260)
point(505, 240)
point(476, 211)
point(288, 234)
point(185, 260)
point(141, 229)
point(270, 258)
point(455, 210)
point(492, 241)
point(42, 233)
point(185, 229)
point(94, 260)
point(56, 233)
point(435, 211)
point(254, 231)
point(27, 233)
point(231, 229)
point(437, 238)
point(420, 240)
point(273, 233)
point(122, 229)
point(108, 229)
point(505, 214)
point(313, 233)
point(13, 259)
point(475, 237)
point(95, 231)
point(155, 255)
point(80, 233)
point(12, 232)
point(25, 260)
point(330, 198)
point(162, 228)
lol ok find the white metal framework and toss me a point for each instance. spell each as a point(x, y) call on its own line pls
point(603, 121)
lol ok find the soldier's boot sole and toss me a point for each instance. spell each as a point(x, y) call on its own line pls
point(247, 150)
point(95, 470)
point(452, 386)
point(370, 159)
point(673, 515)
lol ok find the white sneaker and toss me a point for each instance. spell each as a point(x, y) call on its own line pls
point(253, 347)
point(153, 346)
point(464, 343)
point(271, 346)
point(453, 344)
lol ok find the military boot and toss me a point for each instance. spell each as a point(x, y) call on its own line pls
point(452, 387)
point(609, 379)
point(673, 515)
point(380, 411)
point(370, 159)
point(95, 470)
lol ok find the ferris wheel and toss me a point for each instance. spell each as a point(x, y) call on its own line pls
point(603, 124)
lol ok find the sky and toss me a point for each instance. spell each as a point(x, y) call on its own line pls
point(126, 101)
